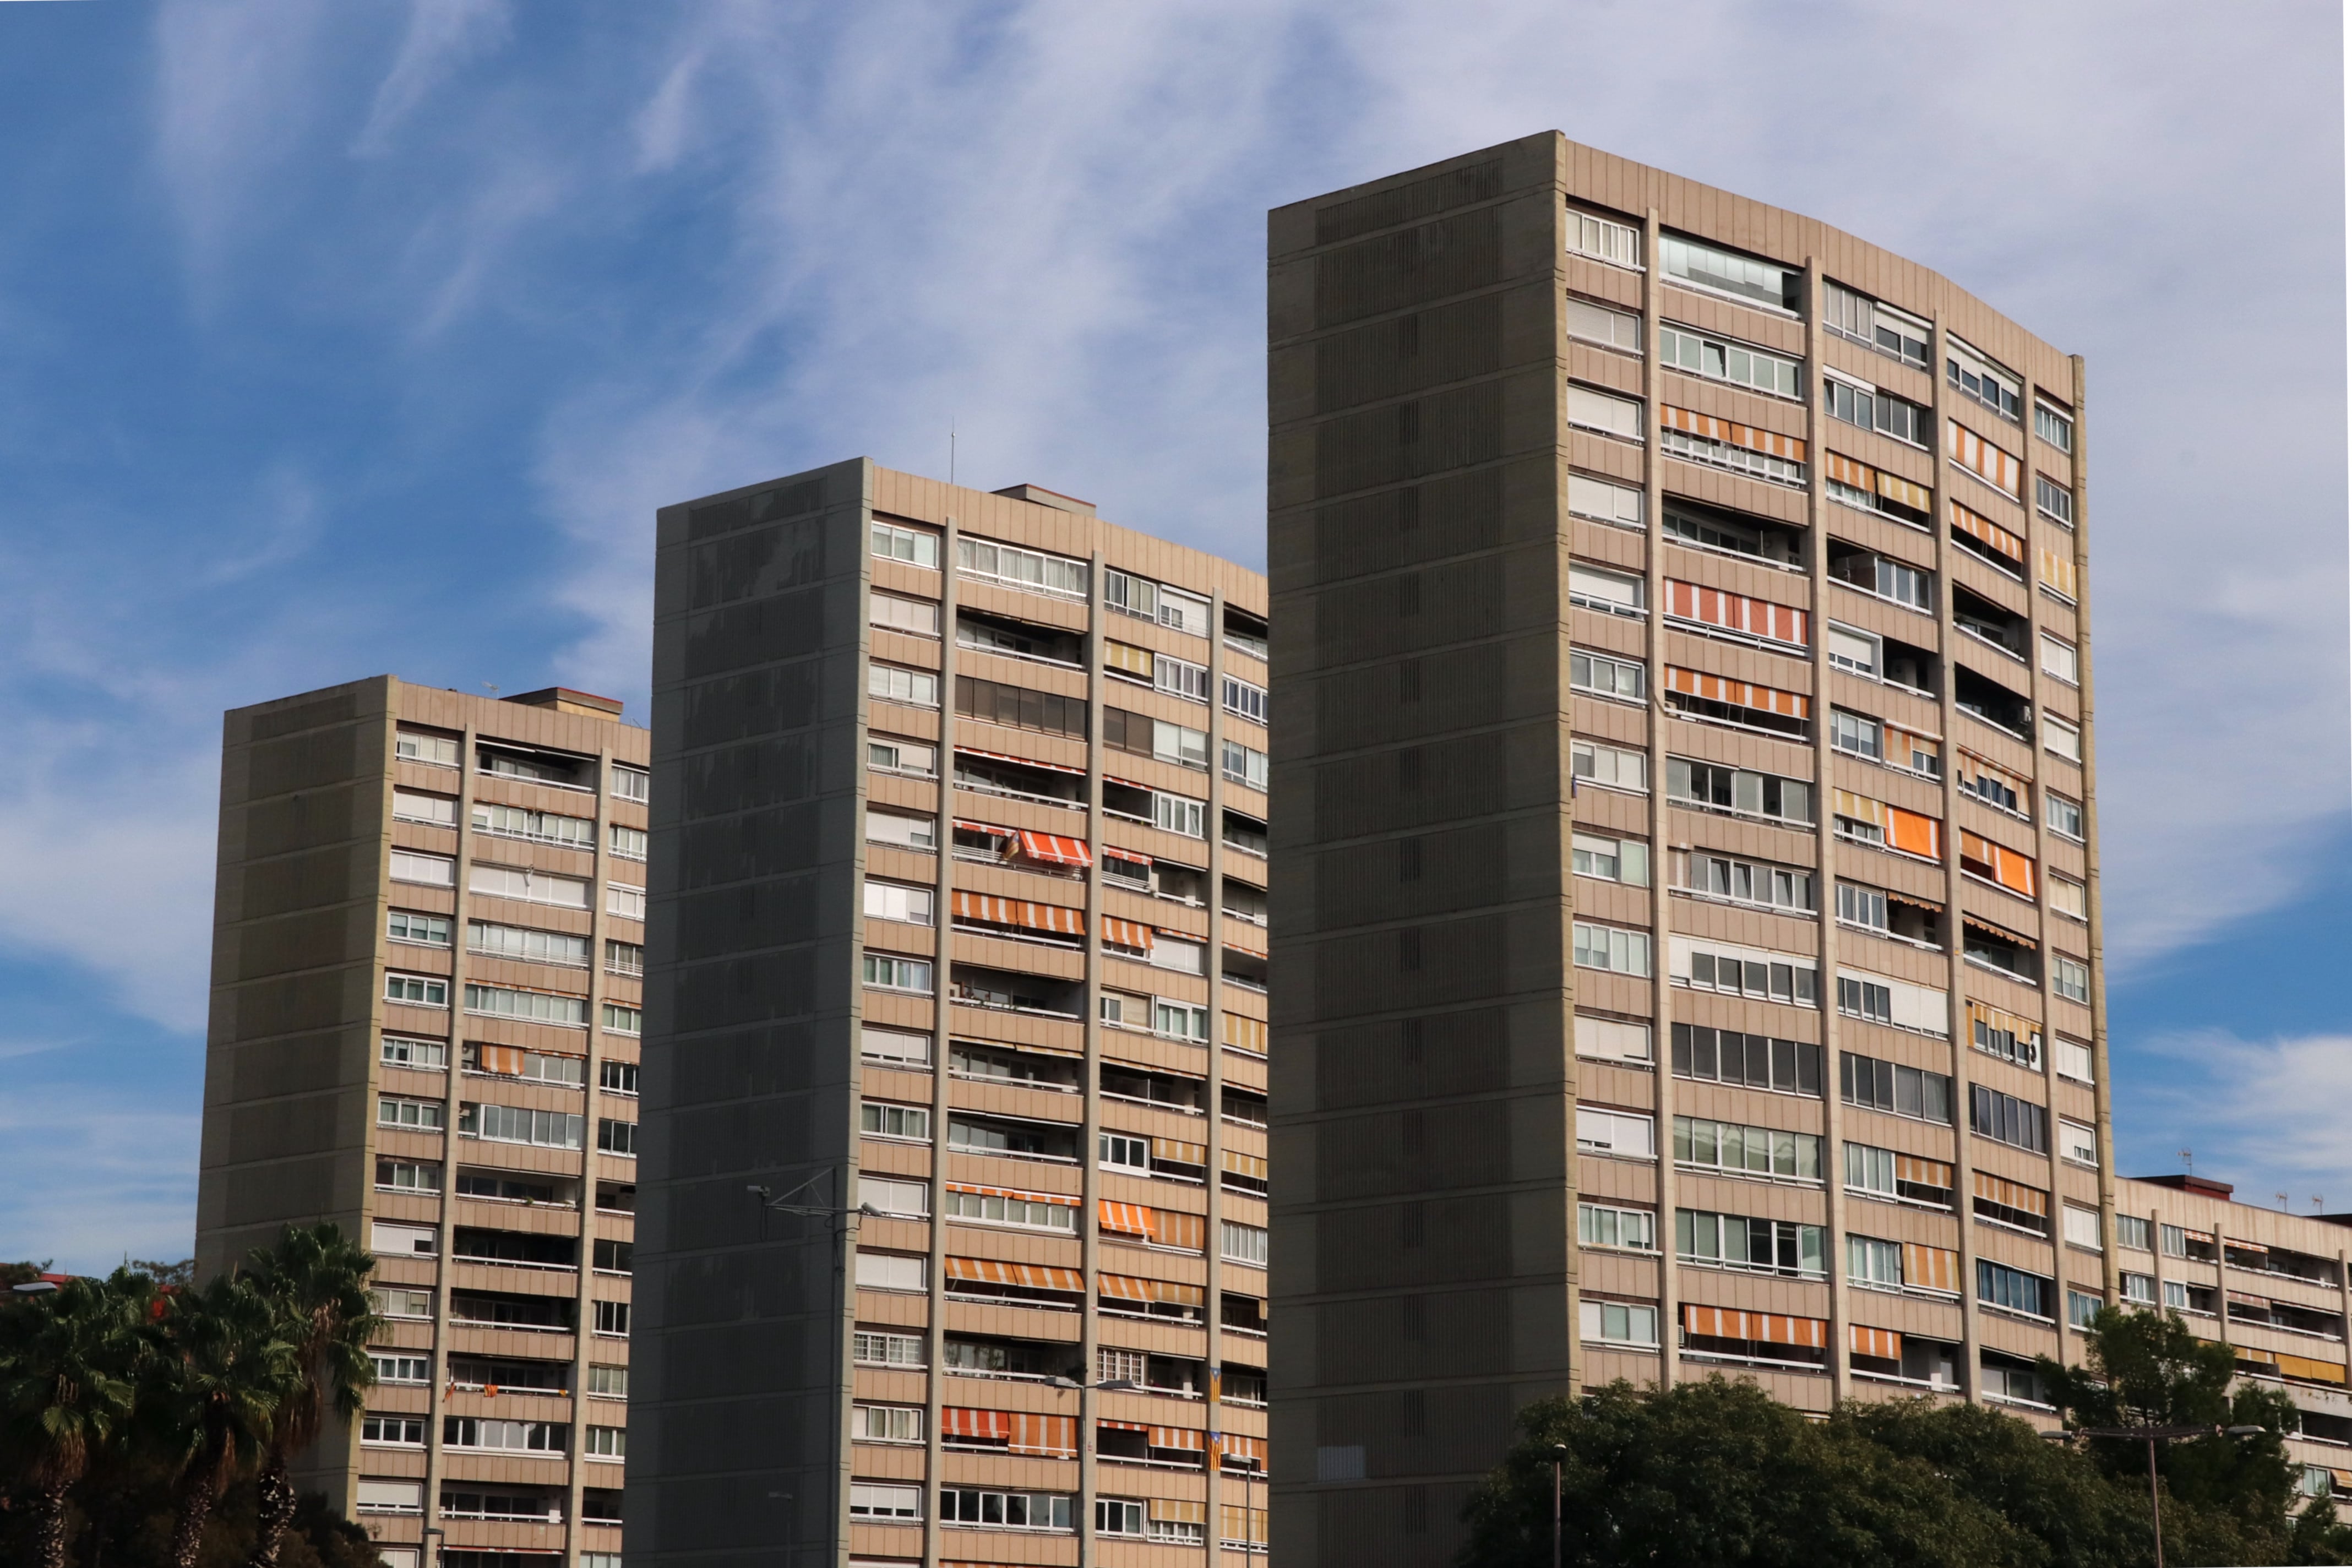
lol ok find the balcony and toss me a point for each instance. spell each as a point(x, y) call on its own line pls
point(1015, 778)
point(2003, 631)
point(1696, 527)
point(1011, 639)
point(1002, 991)
point(516, 1249)
point(1993, 703)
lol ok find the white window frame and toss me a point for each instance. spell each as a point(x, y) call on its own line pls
point(1593, 321)
point(1620, 1134)
point(1605, 240)
point(1606, 501)
point(1605, 413)
point(1586, 758)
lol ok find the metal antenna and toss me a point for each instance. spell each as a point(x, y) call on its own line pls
point(951, 444)
point(2188, 1160)
point(489, 687)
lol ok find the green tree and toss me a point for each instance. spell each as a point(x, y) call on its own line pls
point(15, 1274)
point(223, 1368)
point(317, 1281)
point(67, 1361)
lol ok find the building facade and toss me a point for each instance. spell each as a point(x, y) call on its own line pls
point(428, 950)
point(1687, 922)
point(2270, 1284)
point(954, 1216)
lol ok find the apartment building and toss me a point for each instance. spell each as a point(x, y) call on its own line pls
point(428, 950)
point(954, 1218)
point(2270, 1283)
point(1687, 932)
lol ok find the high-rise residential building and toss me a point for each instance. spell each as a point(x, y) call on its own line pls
point(954, 1213)
point(427, 948)
point(1687, 932)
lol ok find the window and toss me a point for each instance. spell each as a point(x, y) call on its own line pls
point(1612, 1039)
point(1860, 998)
point(417, 990)
point(1588, 409)
point(431, 931)
point(2005, 1118)
point(1726, 444)
point(628, 843)
point(2081, 1310)
point(1179, 1021)
point(519, 1124)
point(892, 542)
point(408, 806)
point(526, 942)
point(1004, 1208)
point(1242, 1242)
point(1720, 359)
point(1733, 533)
point(624, 900)
point(426, 870)
point(617, 1077)
point(1030, 570)
point(2066, 816)
point(918, 617)
point(2082, 1227)
point(1873, 409)
point(1119, 1151)
point(398, 1303)
point(528, 887)
point(616, 1137)
point(611, 1318)
point(1612, 593)
point(1618, 244)
point(2059, 659)
point(1622, 1133)
point(1245, 765)
point(876, 1348)
point(1853, 651)
point(631, 784)
point(897, 974)
point(896, 901)
point(2132, 1231)
point(1859, 319)
point(1895, 1089)
point(407, 1176)
point(1998, 1034)
point(2175, 1296)
point(1603, 501)
point(886, 1423)
point(1881, 1173)
point(1599, 1225)
point(417, 746)
point(1149, 601)
point(1617, 1322)
point(1625, 861)
point(1019, 708)
point(2061, 739)
point(1881, 578)
point(1976, 377)
point(891, 1272)
point(2054, 500)
point(621, 1020)
point(1244, 701)
point(1622, 679)
point(876, 1120)
point(1875, 1263)
point(1697, 265)
point(1740, 792)
point(392, 1431)
point(905, 831)
point(2078, 1143)
point(2070, 978)
point(1611, 767)
point(2075, 1060)
point(2054, 426)
point(1004, 1511)
point(1745, 971)
point(916, 687)
point(1754, 1246)
point(872, 1500)
point(1733, 1149)
point(1611, 948)
point(1598, 323)
point(524, 1436)
point(624, 957)
point(905, 757)
point(1750, 1061)
point(394, 1367)
point(1754, 882)
point(539, 827)
point(604, 1442)
point(2176, 1240)
point(538, 1006)
point(2012, 1290)
point(605, 1382)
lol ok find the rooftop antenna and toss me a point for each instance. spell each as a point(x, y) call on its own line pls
point(2188, 1160)
point(492, 689)
point(2318, 1203)
point(951, 444)
point(2282, 1198)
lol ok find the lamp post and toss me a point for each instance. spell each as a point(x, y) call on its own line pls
point(2152, 1436)
point(1559, 1458)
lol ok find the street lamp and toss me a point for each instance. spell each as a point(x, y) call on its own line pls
point(1559, 1458)
point(2152, 1436)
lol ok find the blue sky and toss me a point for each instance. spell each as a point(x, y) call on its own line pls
point(338, 338)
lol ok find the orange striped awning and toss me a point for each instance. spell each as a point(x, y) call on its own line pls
point(1011, 1192)
point(1125, 1219)
point(1981, 457)
point(1036, 1275)
point(1175, 1229)
point(1243, 1452)
point(1242, 1165)
point(1737, 693)
point(1931, 1268)
point(1176, 1151)
point(2007, 867)
point(1245, 1033)
point(988, 1426)
point(1127, 933)
point(1757, 1328)
point(1182, 1438)
point(1055, 849)
point(1876, 481)
point(1884, 1343)
point(1993, 1017)
point(1914, 834)
point(500, 1059)
point(1924, 1171)
point(1021, 913)
point(2012, 1194)
point(1044, 1436)
point(1736, 613)
point(1732, 432)
point(2307, 1369)
point(1127, 1288)
point(1987, 532)
point(2058, 574)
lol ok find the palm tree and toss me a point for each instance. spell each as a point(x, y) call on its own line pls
point(224, 1367)
point(315, 1281)
point(66, 1365)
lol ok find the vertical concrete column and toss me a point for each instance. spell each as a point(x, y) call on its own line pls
point(1212, 1310)
point(1956, 1012)
point(943, 925)
point(1662, 1001)
point(1817, 569)
point(443, 1269)
point(1090, 1131)
point(584, 1307)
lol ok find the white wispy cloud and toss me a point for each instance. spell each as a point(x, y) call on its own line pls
point(92, 1179)
point(2266, 1115)
point(442, 38)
